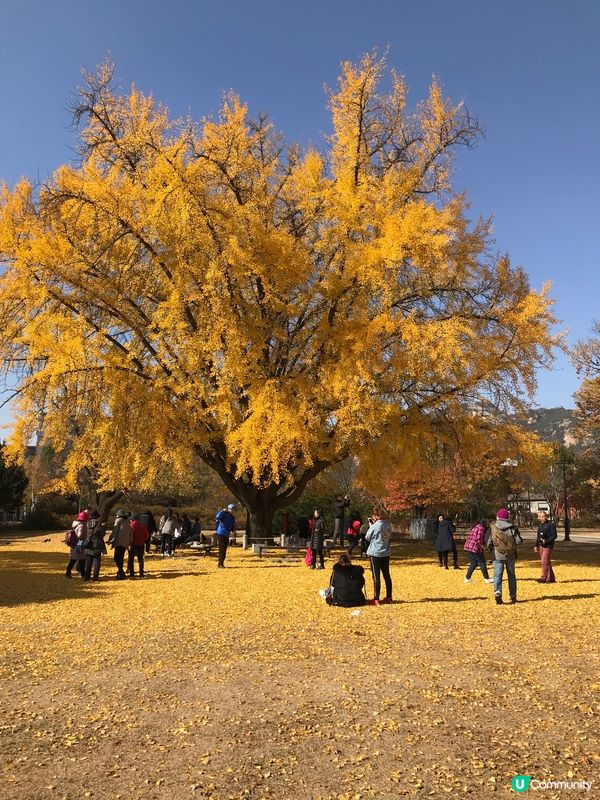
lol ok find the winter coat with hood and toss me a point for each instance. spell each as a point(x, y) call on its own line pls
point(95, 546)
point(445, 538)
point(507, 536)
point(121, 533)
point(80, 528)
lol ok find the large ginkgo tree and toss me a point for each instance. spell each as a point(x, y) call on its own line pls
point(201, 289)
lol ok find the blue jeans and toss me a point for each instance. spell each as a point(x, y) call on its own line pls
point(512, 577)
point(477, 560)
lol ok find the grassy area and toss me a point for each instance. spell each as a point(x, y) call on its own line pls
point(242, 683)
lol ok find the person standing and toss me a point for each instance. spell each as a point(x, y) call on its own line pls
point(445, 541)
point(544, 544)
point(225, 527)
point(505, 537)
point(316, 540)
point(139, 536)
point(147, 519)
point(379, 537)
point(166, 528)
point(120, 538)
point(77, 555)
point(94, 547)
point(475, 547)
point(341, 504)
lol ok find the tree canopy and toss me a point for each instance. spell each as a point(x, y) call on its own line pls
point(201, 288)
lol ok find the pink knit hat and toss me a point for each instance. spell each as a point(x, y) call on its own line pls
point(502, 514)
point(82, 516)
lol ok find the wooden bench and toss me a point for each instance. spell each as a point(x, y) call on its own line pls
point(292, 548)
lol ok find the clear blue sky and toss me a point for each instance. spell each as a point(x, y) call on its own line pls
point(529, 69)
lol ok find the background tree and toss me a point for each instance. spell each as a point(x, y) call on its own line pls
point(13, 482)
point(198, 289)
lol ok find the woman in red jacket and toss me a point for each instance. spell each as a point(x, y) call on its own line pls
point(139, 536)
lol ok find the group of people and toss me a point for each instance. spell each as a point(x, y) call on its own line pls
point(131, 535)
point(500, 539)
point(346, 585)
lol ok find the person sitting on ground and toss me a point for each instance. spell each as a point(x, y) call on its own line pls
point(345, 585)
point(197, 535)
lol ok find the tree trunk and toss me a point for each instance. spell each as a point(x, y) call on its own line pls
point(104, 502)
point(260, 517)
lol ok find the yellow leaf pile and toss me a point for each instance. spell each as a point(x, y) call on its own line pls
point(241, 683)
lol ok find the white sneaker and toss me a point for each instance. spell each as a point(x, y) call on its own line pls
point(323, 593)
point(468, 580)
point(488, 580)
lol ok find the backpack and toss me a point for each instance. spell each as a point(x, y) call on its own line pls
point(501, 544)
point(71, 539)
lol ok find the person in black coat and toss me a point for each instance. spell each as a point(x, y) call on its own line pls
point(147, 519)
point(544, 544)
point(316, 540)
point(346, 585)
point(445, 543)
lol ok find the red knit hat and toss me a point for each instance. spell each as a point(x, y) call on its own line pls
point(82, 516)
point(502, 514)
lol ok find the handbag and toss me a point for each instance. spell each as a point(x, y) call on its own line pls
point(308, 557)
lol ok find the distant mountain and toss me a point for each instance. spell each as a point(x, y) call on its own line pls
point(553, 425)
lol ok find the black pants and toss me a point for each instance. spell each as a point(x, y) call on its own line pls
point(80, 566)
point(317, 553)
point(223, 541)
point(92, 561)
point(166, 543)
point(381, 565)
point(136, 551)
point(119, 559)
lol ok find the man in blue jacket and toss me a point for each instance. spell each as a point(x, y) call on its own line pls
point(224, 528)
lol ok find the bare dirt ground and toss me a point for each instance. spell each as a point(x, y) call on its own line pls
point(241, 683)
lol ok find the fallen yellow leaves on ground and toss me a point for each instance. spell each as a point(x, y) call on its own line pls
point(241, 683)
